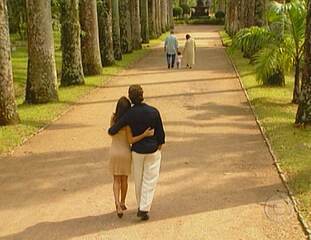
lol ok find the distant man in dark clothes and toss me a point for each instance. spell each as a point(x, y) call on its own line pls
point(146, 154)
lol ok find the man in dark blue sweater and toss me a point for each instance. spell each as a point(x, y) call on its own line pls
point(146, 154)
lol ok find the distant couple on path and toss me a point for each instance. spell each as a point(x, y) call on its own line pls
point(171, 49)
point(137, 137)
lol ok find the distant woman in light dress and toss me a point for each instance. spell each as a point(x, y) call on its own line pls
point(189, 52)
point(120, 155)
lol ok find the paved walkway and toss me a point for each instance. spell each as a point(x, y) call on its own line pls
point(217, 179)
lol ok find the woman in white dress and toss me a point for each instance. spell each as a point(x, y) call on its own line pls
point(189, 52)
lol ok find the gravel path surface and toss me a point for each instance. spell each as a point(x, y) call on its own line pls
point(217, 178)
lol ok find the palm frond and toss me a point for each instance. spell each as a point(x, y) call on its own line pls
point(274, 58)
point(277, 20)
point(251, 40)
point(266, 63)
point(296, 12)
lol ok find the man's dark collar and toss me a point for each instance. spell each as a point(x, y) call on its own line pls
point(139, 104)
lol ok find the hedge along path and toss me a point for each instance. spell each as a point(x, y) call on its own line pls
point(217, 178)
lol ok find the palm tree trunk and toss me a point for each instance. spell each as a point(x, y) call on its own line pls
point(90, 39)
point(243, 14)
point(41, 86)
point(296, 91)
point(158, 17)
point(260, 8)
point(303, 116)
point(125, 26)
point(136, 28)
point(164, 16)
point(72, 70)
point(246, 13)
point(116, 30)
point(152, 18)
point(232, 18)
point(170, 14)
point(250, 13)
point(221, 5)
point(104, 11)
point(144, 20)
point(8, 112)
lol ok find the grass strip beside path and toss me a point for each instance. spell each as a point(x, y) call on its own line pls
point(34, 117)
point(276, 114)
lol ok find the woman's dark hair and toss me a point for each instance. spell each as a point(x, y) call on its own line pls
point(188, 36)
point(136, 94)
point(123, 106)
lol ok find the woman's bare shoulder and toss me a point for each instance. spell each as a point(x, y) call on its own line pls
point(112, 119)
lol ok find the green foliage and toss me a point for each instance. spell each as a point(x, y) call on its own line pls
point(251, 40)
point(220, 15)
point(204, 20)
point(270, 66)
point(56, 14)
point(177, 12)
point(277, 47)
point(226, 40)
point(17, 17)
point(186, 8)
point(191, 3)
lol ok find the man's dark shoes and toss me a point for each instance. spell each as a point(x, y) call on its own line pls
point(144, 216)
point(168, 66)
point(139, 213)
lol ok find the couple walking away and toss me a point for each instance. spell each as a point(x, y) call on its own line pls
point(171, 50)
point(137, 137)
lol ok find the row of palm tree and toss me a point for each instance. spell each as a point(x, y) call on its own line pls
point(94, 33)
point(276, 48)
point(243, 14)
point(279, 47)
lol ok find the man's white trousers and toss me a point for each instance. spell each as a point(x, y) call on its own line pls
point(146, 171)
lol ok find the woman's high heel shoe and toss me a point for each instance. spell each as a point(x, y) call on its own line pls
point(119, 211)
point(123, 207)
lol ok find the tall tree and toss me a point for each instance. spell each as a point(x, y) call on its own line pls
point(246, 13)
point(164, 16)
point(152, 18)
point(125, 26)
point(158, 17)
point(170, 14)
point(135, 20)
point(116, 30)
point(41, 86)
point(17, 17)
point(89, 38)
point(221, 5)
point(104, 9)
point(72, 70)
point(8, 113)
point(231, 23)
point(243, 14)
point(303, 116)
point(144, 20)
point(260, 8)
